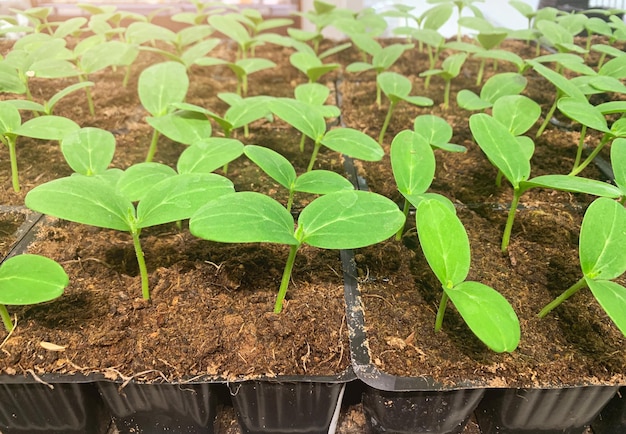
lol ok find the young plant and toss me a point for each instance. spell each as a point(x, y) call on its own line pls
point(89, 151)
point(159, 87)
point(450, 68)
point(511, 157)
point(339, 220)
point(281, 171)
point(42, 127)
point(321, 16)
point(437, 133)
point(29, 279)
point(311, 65)
point(498, 85)
point(241, 68)
point(431, 19)
point(397, 88)
point(163, 196)
point(315, 96)
point(47, 107)
point(461, 5)
point(383, 58)
point(601, 252)
point(446, 247)
point(311, 123)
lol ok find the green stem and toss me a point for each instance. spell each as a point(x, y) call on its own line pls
point(316, 149)
point(446, 95)
point(481, 71)
point(126, 76)
point(548, 117)
point(143, 271)
point(383, 130)
point(290, 200)
point(15, 179)
point(499, 178)
point(378, 95)
point(302, 139)
point(506, 236)
point(564, 296)
point(405, 210)
point(153, 146)
point(589, 159)
point(581, 144)
point(92, 108)
point(284, 283)
point(441, 311)
point(6, 318)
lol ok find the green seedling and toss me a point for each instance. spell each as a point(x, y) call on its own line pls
point(450, 68)
point(511, 157)
point(283, 172)
point(446, 247)
point(383, 58)
point(88, 151)
point(37, 16)
point(315, 96)
point(163, 196)
point(435, 44)
point(189, 53)
point(242, 69)
point(182, 126)
point(321, 16)
point(431, 19)
point(367, 21)
point(340, 220)
point(601, 253)
point(397, 88)
point(47, 107)
point(311, 65)
point(437, 133)
point(42, 127)
point(461, 5)
point(498, 85)
point(311, 123)
point(209, 154)
point(159, 87)
point(29, 279)
point(560, 37)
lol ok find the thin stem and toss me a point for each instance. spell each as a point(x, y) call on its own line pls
point(378, 95)
point(302, 139)
point(506, 236)
point(481, 71)
point(581, 144)
point(446, 95)
point(143, 271)
point(548, 117)
point(153, 146)
point(589, 159)
point(441, 311)
point(92, 108)
point(15, 179)
point(499, 178)
point(6, 318)
point(126, 76)
point(383, 130)
point(316, 149)
point(290, 200)
point(564, 296)
point(405, 210)
point(284, 283)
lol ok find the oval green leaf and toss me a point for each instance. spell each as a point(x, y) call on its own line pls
point(31, 279)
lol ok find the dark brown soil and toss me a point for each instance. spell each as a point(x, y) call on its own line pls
point(199, 322)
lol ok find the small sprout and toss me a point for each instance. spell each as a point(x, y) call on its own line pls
point(29, 279)
point(450, 68)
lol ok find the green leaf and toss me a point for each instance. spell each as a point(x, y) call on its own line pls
point(517, 113)
point(353, 143)
point(47, 128)
point(501, 147)
point(584, 113)
point(184, 127)
point(499, 85)
point(10, 80)
point(139, 178)
point(314, 94)
point(31, 279)
point(468, 100)
point(272, 163)
point(321, 182)
point(603, 240)
point(434, 129)
point(618, 163)
point(248, 110)
point(412, 162)
point(394, 85)
point(389, 55)
point(102, 56)
point(230, 27)
point(612, 298)
point(299, 116)
point(615, 68)
point(244, 217)
point(359, 67)
point(488, 314)
point(52, 68)
point(179, 197)
point(54, 99)
point(560, 82)
point(94, 202)
point(349, 220)
point(253, 64)
point(161, 85)
point(88, 151)
point(10, 118)
point(444, 242)
point(574, 184)
point(209, 154)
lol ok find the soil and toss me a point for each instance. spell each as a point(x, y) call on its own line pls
point(105, 326)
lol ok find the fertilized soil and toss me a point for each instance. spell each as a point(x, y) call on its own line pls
point(210, 311)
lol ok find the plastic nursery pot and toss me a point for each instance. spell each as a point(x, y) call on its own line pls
point(542, 411)
point(51, 404)
point(161, 407)
point(612, 418)
point(400, 404)
point(303, 404)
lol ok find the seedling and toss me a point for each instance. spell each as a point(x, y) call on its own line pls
point(340, 220)
point(281, 171)
point(437, 133)
point(47, 107)
point(159, 87)
point(241, 68)
point(108, 202)
point(311, 123)
point(461, 5)
point(89, 151)
point(511, 158)
point(43, 127)
point(446, 247)
point(397, 88)
point(432, 19)
point(498, 85)
point(601, 252)
point(322, 16)
point(208, 155)
point(311, 65)
point(315, 96)
point(29, 279)
point(450, 68)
